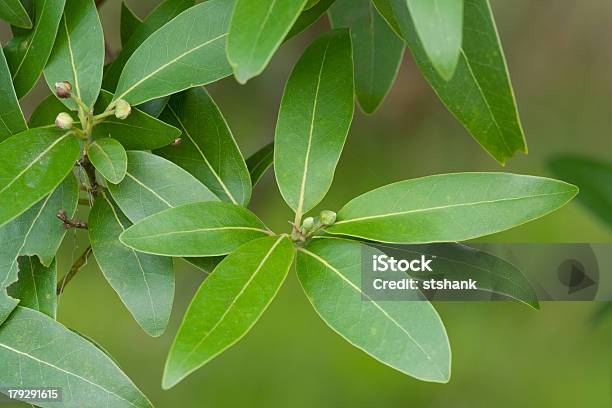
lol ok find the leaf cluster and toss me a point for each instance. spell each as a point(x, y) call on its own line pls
point(144, 152)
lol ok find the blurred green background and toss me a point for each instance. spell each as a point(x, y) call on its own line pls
point(504, 354)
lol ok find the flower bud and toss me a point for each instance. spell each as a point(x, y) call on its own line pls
point(63, 89)
point(122, 109)
point(64, 121)
point(327, 217)
point(308, 224)
point(177, 141)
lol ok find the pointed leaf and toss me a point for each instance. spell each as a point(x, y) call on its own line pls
point(11, 116)
point(28, 51)
point(257, 30)
point(35, 232)
point(199, 229)
point(593, 177)
point(315, 115)
point(145, 283)
point(450, 207)
point(308, 17)
point(228, 304)
point(139, 131)
point(260, 162)
point(155, 107)
point(207, 149)
point(78, 53)
point(109, 157)
point(480, 94)
point(310, 4)
point(406, 335)
point(439, 26)
point(377, 50)
point(163, 13)
point(35, 349)
point(153, 184)
point(35, 288)
point(13, 12)
point(130, 22)
point(193, 54)
point(32, 164)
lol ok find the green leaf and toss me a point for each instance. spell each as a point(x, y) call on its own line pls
point(163, 13)
point(310, 4)
point(11, 116)
point(260, 162)
point(315, 115)
point(130, 22)
point(480, 94)
point(109, 157)
point(139, 131)
point(308, 17)
point(406, 335)
point(13, 12)
point(256, 31)
point(145, 283)
point(78, 54)
point(385, 9)
point(35, 287)
point(193, 54)
point(228, 304)
point(377, 50)
point(450, 207)
point(35, 232)
point(32, 164)
point(207, 149)
point(46, 112)
point(153, 184)
point(28, 51)
point(438, 25)
point(593, 177)
point(155, 107)
point(35, 349)
point(198, 229)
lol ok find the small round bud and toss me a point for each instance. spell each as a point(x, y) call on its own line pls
point(177, 141)
point(63, 89)
point(122, 109)
point(64, 121)
point(327, 217)
point(308, 224)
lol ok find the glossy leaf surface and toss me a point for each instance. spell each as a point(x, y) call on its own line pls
point(228, 304)
point(153, 184)
point(315, 115)
point(198, 229)
point(207, 149)
point(450, 207)
point(145, 283)
point(109, 157)
point(406, 335)
point(36, 286)
point(11, 116)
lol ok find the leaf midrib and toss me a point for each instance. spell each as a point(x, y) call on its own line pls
point(420, 210)
point(212, 229)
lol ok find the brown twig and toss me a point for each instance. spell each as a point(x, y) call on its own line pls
point(78, 264)
point(70, 223)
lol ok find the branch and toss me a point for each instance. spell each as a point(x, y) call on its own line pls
point(78, 264)
point(68, 223)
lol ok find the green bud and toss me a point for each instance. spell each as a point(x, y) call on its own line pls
point(64, 121)
point(308, 224)
point(327, 217)
point(122, 109)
